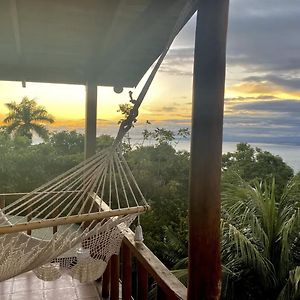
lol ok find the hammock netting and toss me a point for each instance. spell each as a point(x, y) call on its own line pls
point(102, 187)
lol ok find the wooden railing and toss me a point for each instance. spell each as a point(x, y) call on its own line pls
point(136, 273)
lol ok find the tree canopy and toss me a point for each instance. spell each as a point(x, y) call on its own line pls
point(255, 164)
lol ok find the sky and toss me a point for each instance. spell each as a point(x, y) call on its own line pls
point(262, 96)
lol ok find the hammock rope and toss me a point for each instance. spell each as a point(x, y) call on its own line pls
point(90, 206)
point(69, 203)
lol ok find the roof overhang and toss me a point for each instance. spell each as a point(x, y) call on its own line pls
point(112, 42)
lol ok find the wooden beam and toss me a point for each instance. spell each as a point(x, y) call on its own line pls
point(90, 119)
point(55, 75)
point(206, 150)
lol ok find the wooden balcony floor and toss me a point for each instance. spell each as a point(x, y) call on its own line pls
point(28, 287)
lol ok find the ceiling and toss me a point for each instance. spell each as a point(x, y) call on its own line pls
point(112, 42)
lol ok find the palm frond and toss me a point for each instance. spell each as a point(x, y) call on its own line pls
point(290, 195)
point(289, 228)
point(41, 130)
point(250, 254)
point(183, 263)
point(23, 130)
point(13, 106)
point(291, 290)
point(182, 273)
point(41, 115)
point(242, 207)
point(10, 128)
point(12, 117)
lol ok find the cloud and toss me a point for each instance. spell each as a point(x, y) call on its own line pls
point(251, 98)
point(291, 83)
point(168, 108)
point(290, 107)
point(263, 36)
point(250, 87)
point(263, 121)
point(179, 62)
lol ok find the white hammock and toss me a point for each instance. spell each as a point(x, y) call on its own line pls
point(78, 196)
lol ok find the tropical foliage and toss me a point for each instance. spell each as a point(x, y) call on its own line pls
point(260, 241)
point(163, 178)
point(24, 166)
point(260, 236)
point(27, 117)
point(254, 164)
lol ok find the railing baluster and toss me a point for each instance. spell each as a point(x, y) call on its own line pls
point(114, 277)
point(142, 282)
point(106, 282)
point(127, 273)
point(160, 293)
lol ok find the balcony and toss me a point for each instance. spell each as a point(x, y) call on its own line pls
point(136, 273)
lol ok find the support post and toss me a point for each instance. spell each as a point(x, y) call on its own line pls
point(90, 119)
point(206, 150)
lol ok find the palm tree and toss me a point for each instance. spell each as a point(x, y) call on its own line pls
point(27, 117)
point(261, 240)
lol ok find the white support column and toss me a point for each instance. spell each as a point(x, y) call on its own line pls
point(90, 119)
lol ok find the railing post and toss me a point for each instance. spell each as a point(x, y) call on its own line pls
point(106, 282)
point(127, 273)
point(142, 282)
point(160, 293)
point(114, 277)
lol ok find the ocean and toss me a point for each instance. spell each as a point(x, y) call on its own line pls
point(288, 152)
